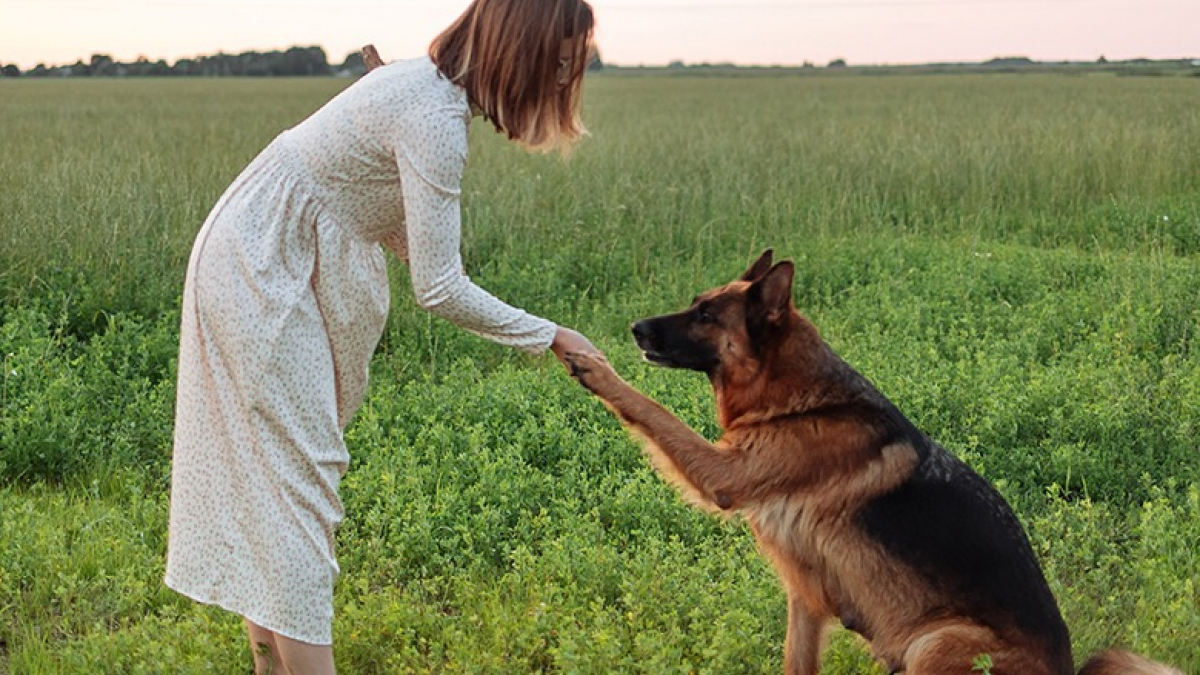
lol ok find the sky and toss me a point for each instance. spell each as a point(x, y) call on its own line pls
point(629, 32)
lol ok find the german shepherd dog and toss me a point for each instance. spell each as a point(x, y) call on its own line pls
point(864, 517)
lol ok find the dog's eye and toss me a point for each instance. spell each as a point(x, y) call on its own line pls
point(704, 316)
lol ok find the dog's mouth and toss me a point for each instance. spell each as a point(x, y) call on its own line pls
point(665, 360)
point(650, 353)
point(658, 358)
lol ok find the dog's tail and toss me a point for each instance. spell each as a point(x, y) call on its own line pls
point(1120, 662)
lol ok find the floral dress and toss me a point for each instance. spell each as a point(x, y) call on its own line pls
point(284, 302)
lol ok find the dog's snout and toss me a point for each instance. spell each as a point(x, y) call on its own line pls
point(640, 331)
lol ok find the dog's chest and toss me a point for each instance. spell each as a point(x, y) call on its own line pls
point(798, 528)
point(810, 545)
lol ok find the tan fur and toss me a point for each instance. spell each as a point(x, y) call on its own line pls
point(1118, 662)
point(953, 647)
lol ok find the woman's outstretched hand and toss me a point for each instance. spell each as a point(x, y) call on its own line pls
point(567, 341)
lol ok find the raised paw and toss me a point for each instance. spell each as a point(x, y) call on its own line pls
point(593, 371)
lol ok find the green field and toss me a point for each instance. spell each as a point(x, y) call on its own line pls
point(1013, 260)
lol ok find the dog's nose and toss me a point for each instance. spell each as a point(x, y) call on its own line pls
point(640, 331)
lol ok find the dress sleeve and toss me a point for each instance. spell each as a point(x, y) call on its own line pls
point(431, 160)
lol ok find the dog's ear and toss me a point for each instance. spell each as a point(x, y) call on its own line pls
point(759, 267)
point(773, 292)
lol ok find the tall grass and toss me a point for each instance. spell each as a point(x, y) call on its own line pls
point(1013, 260)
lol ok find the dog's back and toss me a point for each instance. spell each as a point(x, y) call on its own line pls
point(941, 534)
point(953, 529)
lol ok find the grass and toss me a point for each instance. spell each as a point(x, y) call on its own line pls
point(1012, 259)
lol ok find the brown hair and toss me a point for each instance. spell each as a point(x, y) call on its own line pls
point(505, 53)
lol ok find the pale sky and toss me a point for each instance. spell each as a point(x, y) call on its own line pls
point(629, 32)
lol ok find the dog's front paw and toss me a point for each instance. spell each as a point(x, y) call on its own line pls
point(593, 371)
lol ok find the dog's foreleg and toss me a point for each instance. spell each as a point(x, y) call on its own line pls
point(805, 634)
point(703, 470)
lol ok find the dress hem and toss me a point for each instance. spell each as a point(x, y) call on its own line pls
point(249, 616)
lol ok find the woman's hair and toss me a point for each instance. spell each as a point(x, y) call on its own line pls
point(505, 53)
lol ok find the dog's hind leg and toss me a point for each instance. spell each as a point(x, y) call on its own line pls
point(961, 648)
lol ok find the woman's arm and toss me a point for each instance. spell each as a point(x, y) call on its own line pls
point(564, 340)
point(431, 154)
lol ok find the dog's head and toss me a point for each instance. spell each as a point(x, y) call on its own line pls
point(726, 331)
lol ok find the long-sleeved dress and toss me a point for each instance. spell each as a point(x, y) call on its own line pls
point(284, 302)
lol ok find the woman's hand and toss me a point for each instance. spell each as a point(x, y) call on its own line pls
point(568, 341)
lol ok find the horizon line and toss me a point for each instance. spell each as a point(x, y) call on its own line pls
point(1193, 59)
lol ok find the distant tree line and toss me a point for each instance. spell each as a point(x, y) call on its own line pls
point(296, 61)
point(304, 61)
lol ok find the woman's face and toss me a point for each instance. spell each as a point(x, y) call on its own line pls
point(566, 59)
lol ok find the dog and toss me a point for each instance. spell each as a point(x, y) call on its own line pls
point(864, 517)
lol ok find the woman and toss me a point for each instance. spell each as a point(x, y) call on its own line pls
point(286, 296)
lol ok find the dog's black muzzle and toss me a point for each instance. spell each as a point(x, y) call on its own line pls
point(663, 342)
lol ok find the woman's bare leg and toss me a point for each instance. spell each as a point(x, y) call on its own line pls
point(275, 654)
point(264, 649)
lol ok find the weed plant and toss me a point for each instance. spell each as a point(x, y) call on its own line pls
point(1014, 260)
